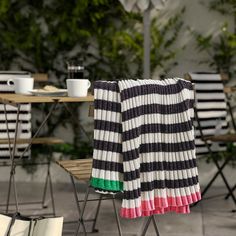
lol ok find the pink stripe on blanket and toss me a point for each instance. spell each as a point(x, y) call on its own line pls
point(161, 206)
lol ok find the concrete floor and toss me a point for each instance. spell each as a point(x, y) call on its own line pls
point(211, 217)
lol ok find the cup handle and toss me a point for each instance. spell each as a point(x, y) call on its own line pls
point(10, 82)
point(89, 83)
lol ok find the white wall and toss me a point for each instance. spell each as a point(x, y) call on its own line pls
point(199, 18)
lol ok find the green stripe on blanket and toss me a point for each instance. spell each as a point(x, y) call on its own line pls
point(103, 184)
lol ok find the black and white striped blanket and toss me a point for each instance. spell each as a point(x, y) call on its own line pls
point(144, 145)
point(211, 107)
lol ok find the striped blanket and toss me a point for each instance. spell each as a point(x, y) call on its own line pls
point(144, 145)
point(212, 111)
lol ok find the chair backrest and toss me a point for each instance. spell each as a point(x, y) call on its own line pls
point(211, 108)
point(24, 128)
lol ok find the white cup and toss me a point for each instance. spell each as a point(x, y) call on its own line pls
point(77, 87)
point(21, 85)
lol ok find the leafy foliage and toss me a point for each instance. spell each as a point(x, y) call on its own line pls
point(84, 151)
point(163, 42)
point(221, 50)
point(223, 6)
point(40, 36)
point(121, 52)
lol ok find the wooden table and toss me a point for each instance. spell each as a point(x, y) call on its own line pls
point(17, 100)
point(21, 99)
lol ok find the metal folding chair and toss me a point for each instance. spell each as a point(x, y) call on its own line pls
point(212, 134)
point(81, 170)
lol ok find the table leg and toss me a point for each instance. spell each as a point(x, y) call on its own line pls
point(51, 193)
point(53, 107)
point(75, 118)
point(12, 155)
point(12, 152)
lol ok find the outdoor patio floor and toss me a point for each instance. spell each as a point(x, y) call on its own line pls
point(211, 217)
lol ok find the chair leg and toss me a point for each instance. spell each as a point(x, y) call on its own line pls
point(94, 230)
point(215, 176)
point(77, 204)
point(48, 181)
point(146, 225)
point(219, 172)
point(155, 225)
point(45, 190)
point(117, 216)
point(81, 221)
point(226, 182)
point(228, 195)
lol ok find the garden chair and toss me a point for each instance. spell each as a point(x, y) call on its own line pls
point(23, 140)
point(211, 126)
point(81, 171)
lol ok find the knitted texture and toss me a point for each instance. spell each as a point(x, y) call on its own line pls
point(144, 145)
point(107, 173)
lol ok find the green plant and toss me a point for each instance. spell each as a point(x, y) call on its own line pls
point(221, 50)
point(40, 36)
point(85, 150)
point(163, 48)
point(121, 51)
point(225, 7)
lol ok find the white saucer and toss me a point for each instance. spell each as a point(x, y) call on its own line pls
point(58, 93)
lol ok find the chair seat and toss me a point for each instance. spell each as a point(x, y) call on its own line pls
point(41, 140)
point(81, 169)
point(221, 138)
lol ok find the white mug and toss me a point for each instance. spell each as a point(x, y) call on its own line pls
point(77, 87)
point(21, 85)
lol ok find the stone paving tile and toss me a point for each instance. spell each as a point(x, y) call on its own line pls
point(217, 201)
point(219, 224)
point(181, 224)
point(212, 217)
point(217, 215)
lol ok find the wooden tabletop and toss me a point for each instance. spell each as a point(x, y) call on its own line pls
point(221, 138)
point(18, 99)
point(40, 140)
point(229, 89)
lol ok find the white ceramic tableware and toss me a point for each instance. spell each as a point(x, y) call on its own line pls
point(77, 87)
point(21, 85)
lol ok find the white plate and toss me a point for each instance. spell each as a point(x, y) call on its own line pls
point(58, 93)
